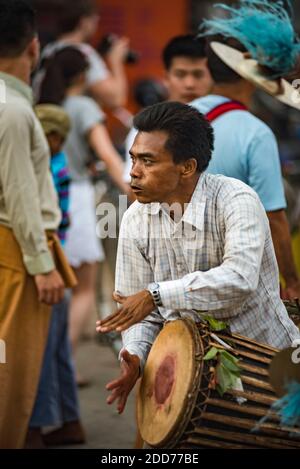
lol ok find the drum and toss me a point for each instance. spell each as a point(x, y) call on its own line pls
point(178, 406)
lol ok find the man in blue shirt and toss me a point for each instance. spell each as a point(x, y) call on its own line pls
point(246, 149)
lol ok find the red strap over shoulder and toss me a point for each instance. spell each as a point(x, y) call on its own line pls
point(224, 108)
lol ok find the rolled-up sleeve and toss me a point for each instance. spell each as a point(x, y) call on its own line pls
point(20, 190)
point(227, 285)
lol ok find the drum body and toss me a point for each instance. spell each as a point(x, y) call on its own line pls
point(178, 406)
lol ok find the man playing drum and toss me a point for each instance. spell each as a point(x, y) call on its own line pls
point(192, 243)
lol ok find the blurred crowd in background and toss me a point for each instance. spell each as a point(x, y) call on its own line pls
point(148, 26)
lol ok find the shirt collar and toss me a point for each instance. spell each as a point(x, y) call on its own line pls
point(194, 212)
point(17, 85)
point(209, 102)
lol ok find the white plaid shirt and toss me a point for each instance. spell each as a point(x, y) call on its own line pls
point(219, 259)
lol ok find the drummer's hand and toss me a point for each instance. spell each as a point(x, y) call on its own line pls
point(121, 387)
point(133, 309)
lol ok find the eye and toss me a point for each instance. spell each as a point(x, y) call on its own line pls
point(147, 162)
point(179, 73)
point(199, 74)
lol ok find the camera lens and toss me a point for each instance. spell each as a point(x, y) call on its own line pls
point(132, 57)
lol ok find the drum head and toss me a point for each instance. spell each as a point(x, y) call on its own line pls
point(169, 373)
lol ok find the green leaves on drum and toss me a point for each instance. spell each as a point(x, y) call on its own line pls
point(214, 324)
point(227, 371)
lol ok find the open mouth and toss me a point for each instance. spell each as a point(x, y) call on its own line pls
point(136, 188)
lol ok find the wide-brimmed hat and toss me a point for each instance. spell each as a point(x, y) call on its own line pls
point(251, 70)
point(264, 28)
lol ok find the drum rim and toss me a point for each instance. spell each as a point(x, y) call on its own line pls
point(189, 404)
point(183, 419)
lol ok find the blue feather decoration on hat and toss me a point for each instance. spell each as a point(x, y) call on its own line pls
point(264, 28)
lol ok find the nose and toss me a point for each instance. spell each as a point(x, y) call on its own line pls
point(136, 170)
point(189, 81)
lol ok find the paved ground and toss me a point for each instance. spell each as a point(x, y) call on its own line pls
point(104, 427)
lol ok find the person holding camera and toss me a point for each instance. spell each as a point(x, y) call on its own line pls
point(77, 24)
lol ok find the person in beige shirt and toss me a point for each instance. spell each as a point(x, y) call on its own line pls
point(28, 202)
point(29, 215)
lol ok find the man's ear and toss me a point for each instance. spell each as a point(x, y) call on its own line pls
point(33, 51)
point(189, 168)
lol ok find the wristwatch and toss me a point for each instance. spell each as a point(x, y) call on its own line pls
point(153, 288)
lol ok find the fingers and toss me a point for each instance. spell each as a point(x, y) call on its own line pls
point(57, 296)
point(122, 402)
point(101, 324)
point(50, 287)
point(44, 296)
point(114, 384)
point(113, 396)
point(119, 394)
point(123, 323)
point(126, 324)
point(52, 296)
point(117, 322)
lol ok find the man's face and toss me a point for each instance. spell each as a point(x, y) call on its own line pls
point(55, 142)
point(154, 175)
point(188, 79)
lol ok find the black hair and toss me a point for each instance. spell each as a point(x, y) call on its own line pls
point(72, 12)
point(219, 71)
point(183, 46)
point(60, 72)
point(190, 135)
point(149, 91)
point(17, 27)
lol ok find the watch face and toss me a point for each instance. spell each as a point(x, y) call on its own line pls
point(153, 286)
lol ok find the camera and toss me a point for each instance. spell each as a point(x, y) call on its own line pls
point(106, 44)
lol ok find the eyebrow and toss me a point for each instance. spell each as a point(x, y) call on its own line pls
point(196, 68)
point(142, 155)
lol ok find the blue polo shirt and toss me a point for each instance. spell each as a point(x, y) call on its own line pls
point(245, 149)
